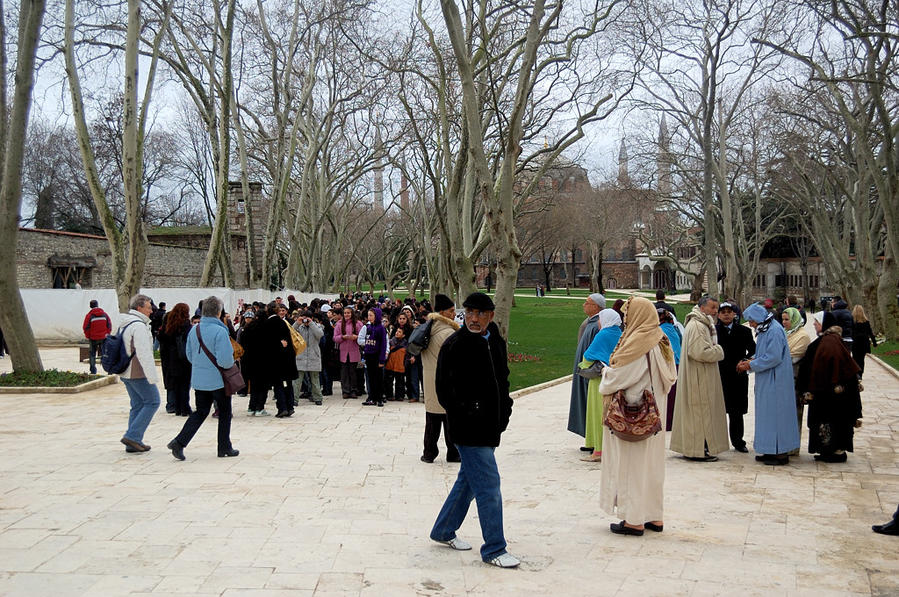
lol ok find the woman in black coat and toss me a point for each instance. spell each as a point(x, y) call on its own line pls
point(176, 368)
point(279, 358)
point(862, 337)
point(252, 363)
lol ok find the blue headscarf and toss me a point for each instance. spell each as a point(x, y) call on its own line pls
point(674, 338)
point(605, 341)
point(757, 313)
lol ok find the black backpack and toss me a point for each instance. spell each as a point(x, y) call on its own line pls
point(419, 338)
point(115, 358)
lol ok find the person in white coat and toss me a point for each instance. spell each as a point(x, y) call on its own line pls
point(140, 378)
point(633, 473)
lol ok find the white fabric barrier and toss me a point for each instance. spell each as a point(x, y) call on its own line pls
point(56, 315)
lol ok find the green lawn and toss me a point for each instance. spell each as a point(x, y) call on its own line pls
point(546, 330)
point(883, 349)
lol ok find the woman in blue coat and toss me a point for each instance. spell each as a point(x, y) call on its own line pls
point(775, 399)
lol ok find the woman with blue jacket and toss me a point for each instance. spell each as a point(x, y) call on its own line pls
point(206, 379)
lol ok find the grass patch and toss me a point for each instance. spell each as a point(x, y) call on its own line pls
point(546, 330)
point(50, 378)
point(888, 352)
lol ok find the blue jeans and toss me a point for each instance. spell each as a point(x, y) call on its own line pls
point(479, 480)
point(144, 402)
point(413, 379)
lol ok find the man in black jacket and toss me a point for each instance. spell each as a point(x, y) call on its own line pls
point(737, 342)
point(472, 383)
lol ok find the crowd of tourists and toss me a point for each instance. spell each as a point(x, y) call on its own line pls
point(693, 380)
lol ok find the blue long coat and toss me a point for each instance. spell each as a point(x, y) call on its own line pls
point(776, 431)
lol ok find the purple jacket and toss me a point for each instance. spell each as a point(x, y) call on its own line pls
point(349, 349)
point(376, 338)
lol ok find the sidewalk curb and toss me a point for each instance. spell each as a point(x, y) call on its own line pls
point(540, 386)
point(888, 369)
point(85, 387)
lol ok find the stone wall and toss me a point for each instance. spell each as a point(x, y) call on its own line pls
point(619, 274)
point(167, 266)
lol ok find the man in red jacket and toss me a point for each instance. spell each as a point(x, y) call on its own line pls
point(96, 327)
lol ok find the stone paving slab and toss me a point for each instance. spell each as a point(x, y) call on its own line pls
point(336, 502)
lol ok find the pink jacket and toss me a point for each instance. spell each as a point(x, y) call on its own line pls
point(348, 348)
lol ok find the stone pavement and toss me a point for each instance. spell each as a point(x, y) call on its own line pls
point(335, 502)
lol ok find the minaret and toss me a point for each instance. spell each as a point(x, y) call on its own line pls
point(663, 159)
point(404, 191)
point(623, 177)
point(379, 171)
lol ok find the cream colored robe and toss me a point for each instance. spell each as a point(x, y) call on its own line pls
point(699, 413)
point(441, 329)
point(633, 473)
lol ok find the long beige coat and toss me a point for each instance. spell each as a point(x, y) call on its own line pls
point(441, 329)
point(699, 413)
point(633, 473)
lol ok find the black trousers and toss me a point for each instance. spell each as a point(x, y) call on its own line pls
point(375, 378)
point(433, 422)
point(736, 430)
point(394, 379)
point(258, 394)
point(349, 379)
point(204, 400)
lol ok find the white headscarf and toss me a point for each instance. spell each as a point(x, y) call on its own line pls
point(608, 318)
point(819, 317)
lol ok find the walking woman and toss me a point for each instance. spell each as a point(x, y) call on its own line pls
point(862, 338)
point(828, 380)
point(798, 342)
point(176, 368)
point(633, 473)
point(600, 349)
point(209, 337)
point(775, 396)
point(346, 332)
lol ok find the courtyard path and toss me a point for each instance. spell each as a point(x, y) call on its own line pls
point(336, 502)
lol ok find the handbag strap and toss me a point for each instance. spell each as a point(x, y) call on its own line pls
point(649, 366)
point(206, 350)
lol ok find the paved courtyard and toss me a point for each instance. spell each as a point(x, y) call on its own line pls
point(335, 502)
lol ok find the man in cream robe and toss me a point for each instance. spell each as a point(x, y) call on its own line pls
point(699, 430)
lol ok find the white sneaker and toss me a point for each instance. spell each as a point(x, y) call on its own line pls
point(505, 560)
point(457, 544)
point(262, 413)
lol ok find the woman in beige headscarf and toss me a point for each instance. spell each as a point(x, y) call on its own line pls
point(798, 341)
point(633, 473)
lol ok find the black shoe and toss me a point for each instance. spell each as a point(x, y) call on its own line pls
point(453, 459)
point(369, 403)
point(772, 459)
point(318, 403)
point(281, 414)
point(706, 458)
point(146, 447)
point(426, 459)
point(131, 450)
point(832, 457)
point(228, 453)
point(890, 528)
point(290, 413)
point(619, 529)
point(176, 448)
point(170, 410)
point(658, 528)
point(742, 448)
point(586, 449)
point(380, 403)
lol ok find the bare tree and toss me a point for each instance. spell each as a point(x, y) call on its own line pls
point(13, 126)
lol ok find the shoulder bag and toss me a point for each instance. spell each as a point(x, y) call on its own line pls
point(231, 376)
point(299, 344)
point(634, 423)
point(419, 338)
point(590, 369)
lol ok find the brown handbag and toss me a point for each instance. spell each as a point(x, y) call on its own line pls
point(231, 376)
point(634, 423)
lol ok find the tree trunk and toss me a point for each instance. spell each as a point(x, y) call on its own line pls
point(887, 299)
point(13, 126)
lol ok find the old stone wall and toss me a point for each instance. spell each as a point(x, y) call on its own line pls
point(88, 257)
point(619, 274)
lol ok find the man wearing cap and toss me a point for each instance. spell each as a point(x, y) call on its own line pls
point(737, 342)
point(97, 326)
point(472, 383)
point(577, 412)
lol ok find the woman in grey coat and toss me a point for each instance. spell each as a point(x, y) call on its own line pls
point(310, 360)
